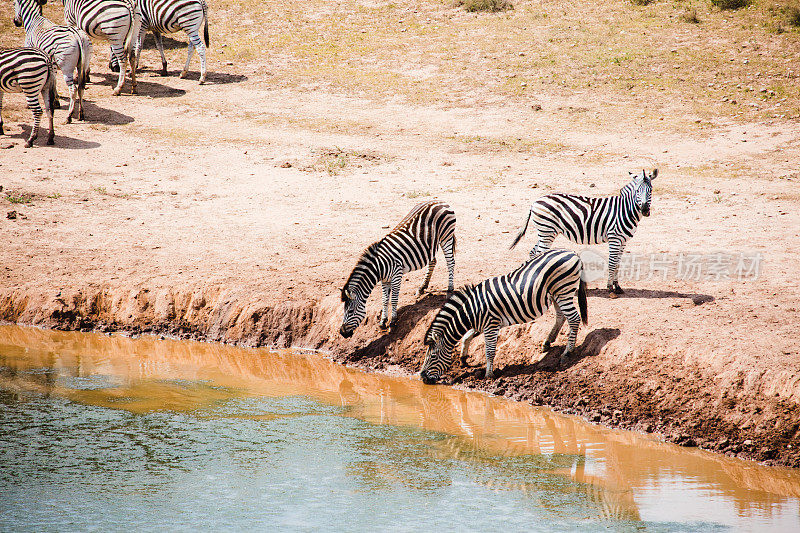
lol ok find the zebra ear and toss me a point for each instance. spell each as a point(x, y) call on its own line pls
point(654, 175)
point(346, 295)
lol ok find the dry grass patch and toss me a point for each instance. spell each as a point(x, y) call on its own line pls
point(492, 6)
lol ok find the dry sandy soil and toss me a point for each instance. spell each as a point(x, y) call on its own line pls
point(234, 211)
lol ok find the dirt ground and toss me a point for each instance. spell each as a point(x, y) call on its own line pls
point(234, 211)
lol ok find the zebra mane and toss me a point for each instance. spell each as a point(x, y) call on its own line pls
point(367, 256)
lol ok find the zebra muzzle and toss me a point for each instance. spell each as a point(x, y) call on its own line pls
point(426, 379)
point(346, 333)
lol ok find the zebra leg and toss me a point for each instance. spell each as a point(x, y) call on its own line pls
point(397, 278)
point(490, 337)
point(189, 53)
point(615, 248)
point(449, 249)
point(119, 54)
point(427, 281)
point(1, 114)
point(73, 95)
point(465, 346)
point(384, 314)
point(543, 244)
point(560, 318)
point(36, 108)
point(567, 304)
point(160, 45)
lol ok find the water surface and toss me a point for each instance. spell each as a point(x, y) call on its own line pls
point(106, 433)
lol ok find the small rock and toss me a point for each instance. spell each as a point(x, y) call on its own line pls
point(716, 191)
point(536, 107)
point(748, 442)
point(6, 146)
point(286, 164)
point(11, 215)
point(592, 185)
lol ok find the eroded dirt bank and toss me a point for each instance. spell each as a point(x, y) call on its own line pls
point(606, 382)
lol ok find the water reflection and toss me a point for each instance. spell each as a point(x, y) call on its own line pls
point(508, 445)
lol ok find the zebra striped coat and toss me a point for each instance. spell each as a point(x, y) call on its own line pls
point(411, 245)
point(587, 220)
point(171, 16)
point(29, 71)
point(515, 298)
point(117, 21)
point(68, 46)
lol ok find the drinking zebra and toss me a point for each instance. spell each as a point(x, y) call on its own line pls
point(68, 46)
point(515, 298)
point(410, 246)
point(117, 21)
point(588, 220)
point(29, 71)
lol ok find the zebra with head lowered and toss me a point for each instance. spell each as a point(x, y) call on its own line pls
point(589, 220)
point(411, 245)
point(29, 71)
point(172, 16)
point(515, 298)
point(68, 46)
point(117, 21)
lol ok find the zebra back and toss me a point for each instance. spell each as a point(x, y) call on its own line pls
point(170, 16)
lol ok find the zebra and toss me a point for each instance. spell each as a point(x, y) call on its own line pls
point(29, 71)
point(409, 246)
point(514, 298)
point(171, 16)
point(117, 21)
point(68, 46)
point(591, 220)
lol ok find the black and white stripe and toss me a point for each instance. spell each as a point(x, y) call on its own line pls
point(29, 71)
point(411, 245)
point(117, 21)
point(68, 46)
point(172, 16)
point(515, 298)
point(587, 220)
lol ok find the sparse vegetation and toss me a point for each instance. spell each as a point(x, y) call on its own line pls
point(19, 198)
point(491, 6)
point(641, 2)
point(730, 4)
point(690, 16)
point(793, 15)
point(417, 194)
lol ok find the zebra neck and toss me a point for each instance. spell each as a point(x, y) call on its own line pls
point(627, 199)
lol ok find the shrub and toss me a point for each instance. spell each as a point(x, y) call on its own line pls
point(690, 16)
point(641, 2)
point(485, 5)
point(731, 4)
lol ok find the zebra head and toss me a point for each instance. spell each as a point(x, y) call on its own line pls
point(354, 310)
point(31, 8)
point(449, 325)
point(356, 290)
point(643, 190)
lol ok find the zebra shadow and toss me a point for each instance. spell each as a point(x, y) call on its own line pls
point(93, 113)
point(408, 316)
point(145, 88)
point(591, 346)
point(60, 141)
point(697, 299)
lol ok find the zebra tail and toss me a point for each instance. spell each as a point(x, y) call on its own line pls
point(521, 232)
point(205, 24)
point(582, 304)
point(133, 32)
point(50, 85)
point(83, 62)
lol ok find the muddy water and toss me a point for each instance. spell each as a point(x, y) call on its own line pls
point(110, 432)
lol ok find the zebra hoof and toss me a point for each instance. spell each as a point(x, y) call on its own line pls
point(183, 74)
point(489, 375)
point(383, 324)
point(116, 92)
point(615, 289)
point(51, 140)
point(393, 323)
point(545, 346)
point(202, 81)
point(29, 143)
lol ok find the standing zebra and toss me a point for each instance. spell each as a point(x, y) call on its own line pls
point(411, 245)
point(29, 71)
point(171, 16)
point(68, 46)
point(587, 220)
point(117, 21)
point(515, 298)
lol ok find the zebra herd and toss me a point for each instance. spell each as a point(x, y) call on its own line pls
point(548, 276)
point(123, 23)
